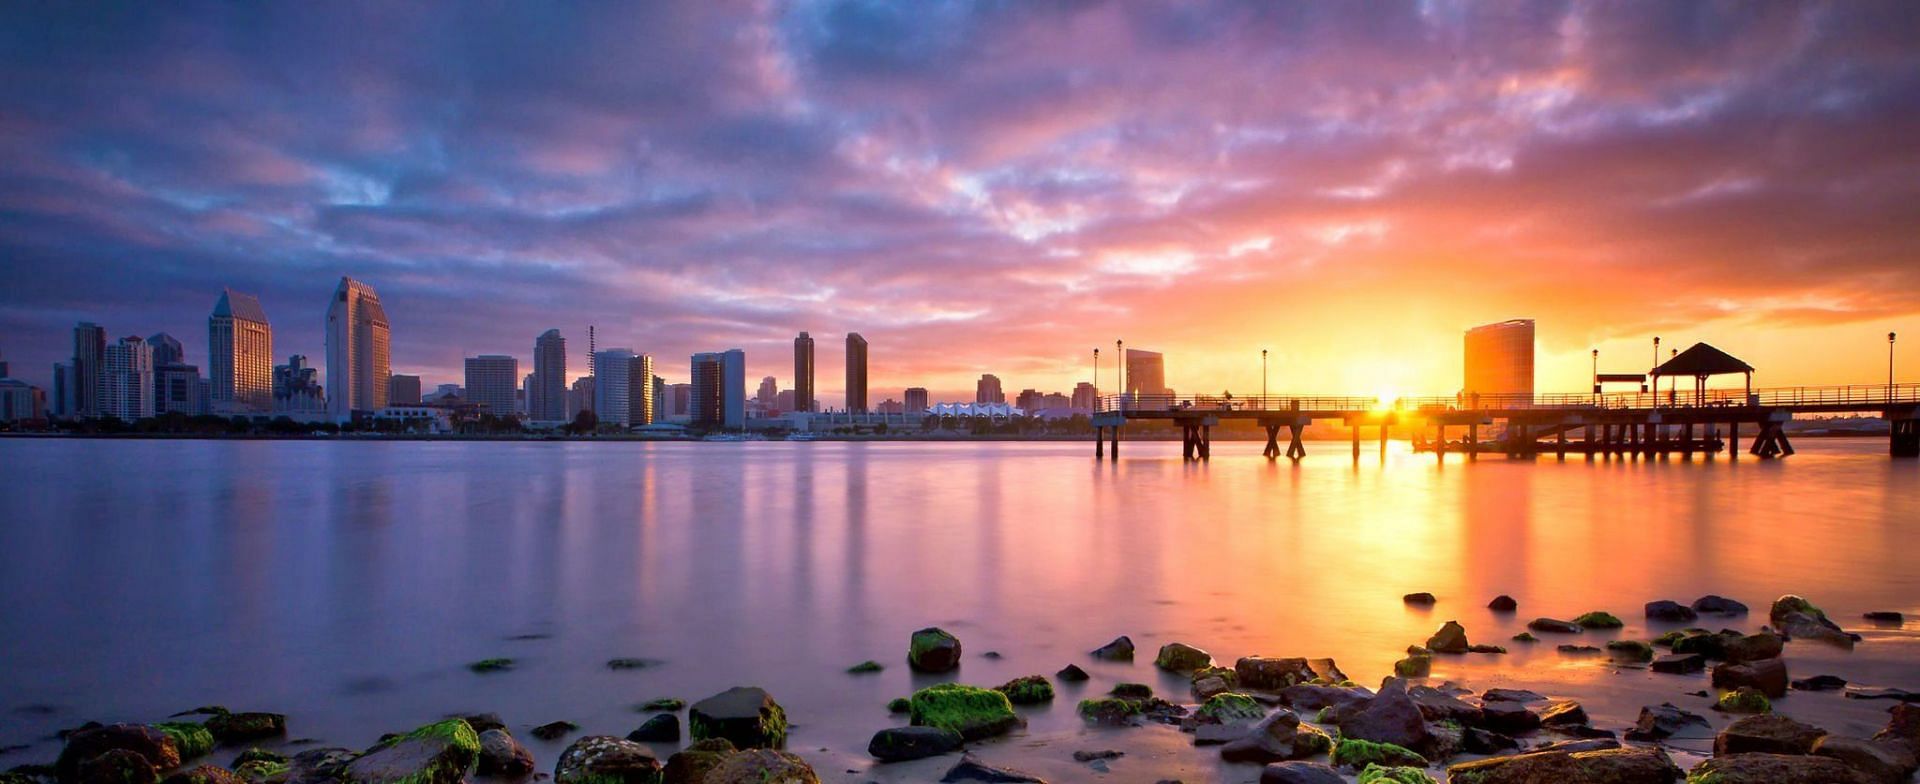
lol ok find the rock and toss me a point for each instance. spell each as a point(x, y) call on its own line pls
point(1863, 693)
point(1277, 738)
point(1775, 769)
point(1819, 683)
point(553, 730)
point(1584, 744)
point(761, 766)
point(1552, 626)
point(1768, 733)
point(1512, 718)
point(1389, 717)
point(1475, 740)
point(604, 759)
point(1121, 649)
point(1885, 616)
point(691, 765)
point(481, 722)
point(1752, 648)
point(1667, 720)
point(1437, 705)
point(1479, 648)
point(1451, 638)
point(501, 755)
point(971, 769)
point(1579, 650)
point(1299, 773)
point(1422, 598)
point(190, 739)
point(973, 712)
point(1525, 637)
point(1091, 756)
point(1216, 734)
point(1712, 645)
point(900, 744)
point(1769, 676)
point(1181, 657)
point(1231, 707)
point(438, 753)
point(1718, 605)
point(1563, 714)
point(1311, 697)
point(631, 663)
point(258, 755)
point(1027, 690)
point(1357, 754)
point(1889, 762)
point(1797, 618)
point(117, 766)
point(319, 766)
point(1679, 663)
point(1414, 666)
point(1072, 674)
point(1207, 688)
point(199, 774)
point(866, 668)
point(933, 650)
point(1503, 604)
point(661, 728)
point(1109, 710)
point(1630, 651)
point(664, 704)
point(1903, 724)
point(1745, 699)
point(1272, 674)
point(1670, 612)
point(1132, 691)
point(1511, 695)
point(1326, 670)
point(153, 745)
point(744, 715)
point(1604, 766)
point(484, 666)
point(1598, 619)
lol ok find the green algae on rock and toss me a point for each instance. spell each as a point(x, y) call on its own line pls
point(933, 650)
point(190, 738)
point(1231, 707)
point(1598, 619)
point(971, 711)
point(1745, 699)
point(604, 759)
point(746, 716)
point(1379, 774)
point(1356, 753)
point(1027, 690)
point(438, 753)
point(1181, 657)
point(1109, 710)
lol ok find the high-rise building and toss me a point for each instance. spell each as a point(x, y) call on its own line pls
point(916, 400)
point(769, 393)
point(358, 351)
point(580, 397)
point(783, 401)
point(612, 391)
point(1146, 373)
point(856, 373)
point(680, 401)
point(403, 390)
point(126, 375)
point(640, 390)
point(178, 388)
point(1028, 399)
point(803, 391)
point(1085, 396)
point(297, 390)
point(240, 354)
point(720, 387)
point(1499, 359)
point(166, 350)
point(659, 396)
point(89, 351)
point(20, 400)
point(493, 381)
point(547, 395)
point(988, 390)
point(62, 400)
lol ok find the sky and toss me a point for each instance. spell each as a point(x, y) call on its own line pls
point(978, 187)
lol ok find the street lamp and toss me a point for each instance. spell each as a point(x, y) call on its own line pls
point(1120, 371)
point(1096, 379)
point(1263, 377)
point(1596, 375)
point(1654, 374)
point(1890, 337)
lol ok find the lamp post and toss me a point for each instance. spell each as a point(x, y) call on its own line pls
point(1120, 371)
point(1654, 374)
point(1673, 387)
point(1096, 379)
point(1890, 337)
point(1596, 375)
point(1263, 376)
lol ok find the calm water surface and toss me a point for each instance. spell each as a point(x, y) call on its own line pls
point(348, 584)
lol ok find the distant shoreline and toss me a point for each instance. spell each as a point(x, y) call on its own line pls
point(948, 438)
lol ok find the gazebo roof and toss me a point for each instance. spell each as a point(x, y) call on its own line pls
point(1702, 360)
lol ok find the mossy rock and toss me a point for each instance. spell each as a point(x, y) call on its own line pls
point(117, 766)
point(1356, 753)
point(149, 743)
point(198, 774)
point(1132, 691)
point(439, 753)
point(1231, 707)
point(246, 726)
point(971, 711)
point(1109, 710)
point(1667, 640)
point(631, 663)
point(554, 730)
point(933, 650)
point(1525, 637)
point(1414, 667)
point(865, 667)
point(1379, 774)
point(1181, 657)
point(761, 766)
point(1598, 619)
point(604, 759)
point(899, 705)
point(1745, 699)
point(746, 716)
point(257, 754)
point(497, 664)
point(191, 738)
point(259, 770)
point(1630, 650)
point(1027, 690)
point(665, 704)
point(1309, 741)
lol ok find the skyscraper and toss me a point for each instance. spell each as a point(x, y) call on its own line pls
point(1499, 359)
point(640, 400)
point(1146, 372)
point(856, 373)
point(769, 393)
point(916, 400)
point(988, 390)
point(127, 380)
point(89, 350)
point(176, 384)
point(240, 354)
point(403, 390)
point(492, 381)
point(803, 392)
point(166, 349)
point(580, 397)
point(720, 388)
point(547, 395)
point(296, 388)
point(1085, 395)
point(62, 401)
point(612, 379)
point(358, 359)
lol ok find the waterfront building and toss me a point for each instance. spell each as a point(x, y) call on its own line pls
point(296, 388)
point(1146, 373)
point(358, 346)
point(612, 396)
point(60, 399)
point(178, 388)
point(856, 373)
point(769, 393)
point(580, 397)
point(916, 400)
point(403, 390)
point(126, 376)
point(987, 390)
point(890, 406)
point(640, 378)
point(166, 350)
point(783, 401)
point(492, 382)
point(1028, 399)
point(803, 390)
point(1499, 359)
point(547, 392)
point(87, 387)
point(240, 354)
point(719, 395)
point(679, 402)
point(21, 401)
point(1085, 396)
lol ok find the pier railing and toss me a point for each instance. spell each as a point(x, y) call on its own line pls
point(1829, 398)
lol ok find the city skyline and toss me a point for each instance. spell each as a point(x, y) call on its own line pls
point(1736, 178)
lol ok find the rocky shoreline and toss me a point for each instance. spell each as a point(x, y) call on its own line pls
point(1280, 719)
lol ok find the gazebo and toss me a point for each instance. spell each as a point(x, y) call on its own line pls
point(1702, 361)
